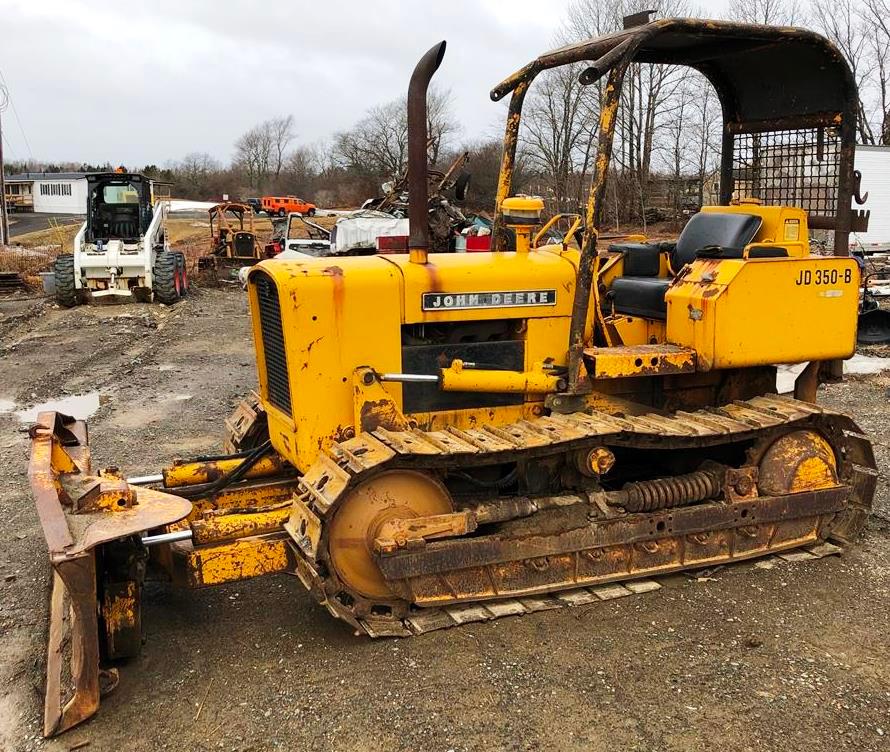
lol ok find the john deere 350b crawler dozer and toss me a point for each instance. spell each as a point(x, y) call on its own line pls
point(445, 437)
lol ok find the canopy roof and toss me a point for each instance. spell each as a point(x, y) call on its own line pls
point(230, 206)
point(761, 73)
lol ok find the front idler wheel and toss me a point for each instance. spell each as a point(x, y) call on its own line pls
point(402, 494)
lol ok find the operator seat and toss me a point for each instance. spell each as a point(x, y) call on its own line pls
point(640, 292)
point(243, 244)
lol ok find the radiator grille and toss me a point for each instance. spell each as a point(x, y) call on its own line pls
point(274, 357)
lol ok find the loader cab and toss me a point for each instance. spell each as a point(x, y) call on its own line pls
point(118, 206)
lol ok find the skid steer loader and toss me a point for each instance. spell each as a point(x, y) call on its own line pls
point(121, 251)
point(441, 438)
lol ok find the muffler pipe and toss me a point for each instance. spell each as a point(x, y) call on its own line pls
point(418, 188)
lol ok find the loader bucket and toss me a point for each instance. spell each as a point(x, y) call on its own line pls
point(80, 512)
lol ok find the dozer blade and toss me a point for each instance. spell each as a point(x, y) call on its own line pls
point(80, 512)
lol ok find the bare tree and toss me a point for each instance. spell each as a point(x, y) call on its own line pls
point(845, 25)
point(378, 144)
point(876, 25)
point(646, 96)
point(769, 12)
point(281, 133)
point(301, 169)
point(254, 155)
point(194, 173)
point(261, 152)
point(441, 124)
point(560, 117)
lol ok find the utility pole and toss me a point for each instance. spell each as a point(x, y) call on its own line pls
point(4, 220)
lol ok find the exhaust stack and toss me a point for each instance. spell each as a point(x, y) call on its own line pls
point(418, 189)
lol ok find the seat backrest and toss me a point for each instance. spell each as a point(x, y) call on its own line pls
point(243, 244)
point(729, 230)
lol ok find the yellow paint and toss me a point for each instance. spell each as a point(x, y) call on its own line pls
point(797, 461)
point(373, 405)
point(304, 527)
point(120, 612)
point(253, 496)
point(813, 473)
point(736, 313)
point(476, 417)
point(396, 494)
point(337, 314)
point(508, 158)
point(641, 360)
point(456, 273)
point(223, 527)
point(545, 339)
point(784, 226)
point(457, 378)
point(636, 330)
point(523, 205)
point(570, 235)
point(60, 460)
point(340, 314)
point(195, 473)
point(239, 560)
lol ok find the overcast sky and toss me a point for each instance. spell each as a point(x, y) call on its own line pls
point(138, 83)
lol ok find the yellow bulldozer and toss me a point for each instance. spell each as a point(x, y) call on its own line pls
point(442, 438)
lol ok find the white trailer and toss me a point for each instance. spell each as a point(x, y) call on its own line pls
point(873, 162)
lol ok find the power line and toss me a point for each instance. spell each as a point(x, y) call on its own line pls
point(15, 113)
point(12, 152)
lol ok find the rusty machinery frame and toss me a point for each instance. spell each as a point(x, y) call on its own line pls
point(752, 68)
point(221, 216)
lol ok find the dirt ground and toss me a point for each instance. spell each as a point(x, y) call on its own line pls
point(789, 658)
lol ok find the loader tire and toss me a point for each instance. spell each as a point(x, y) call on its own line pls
point(66, 292)
point(167, 285)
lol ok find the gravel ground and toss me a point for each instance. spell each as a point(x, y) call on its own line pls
point(787, 658)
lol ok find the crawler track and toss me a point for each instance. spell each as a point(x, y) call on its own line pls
point(471, 578)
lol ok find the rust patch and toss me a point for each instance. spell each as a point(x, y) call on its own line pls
point(380, 413)
point(336, 274)
point(435, 283)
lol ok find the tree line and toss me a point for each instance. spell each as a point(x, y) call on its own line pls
point(666, 148)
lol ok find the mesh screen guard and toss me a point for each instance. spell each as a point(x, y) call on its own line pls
point(798, 167)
